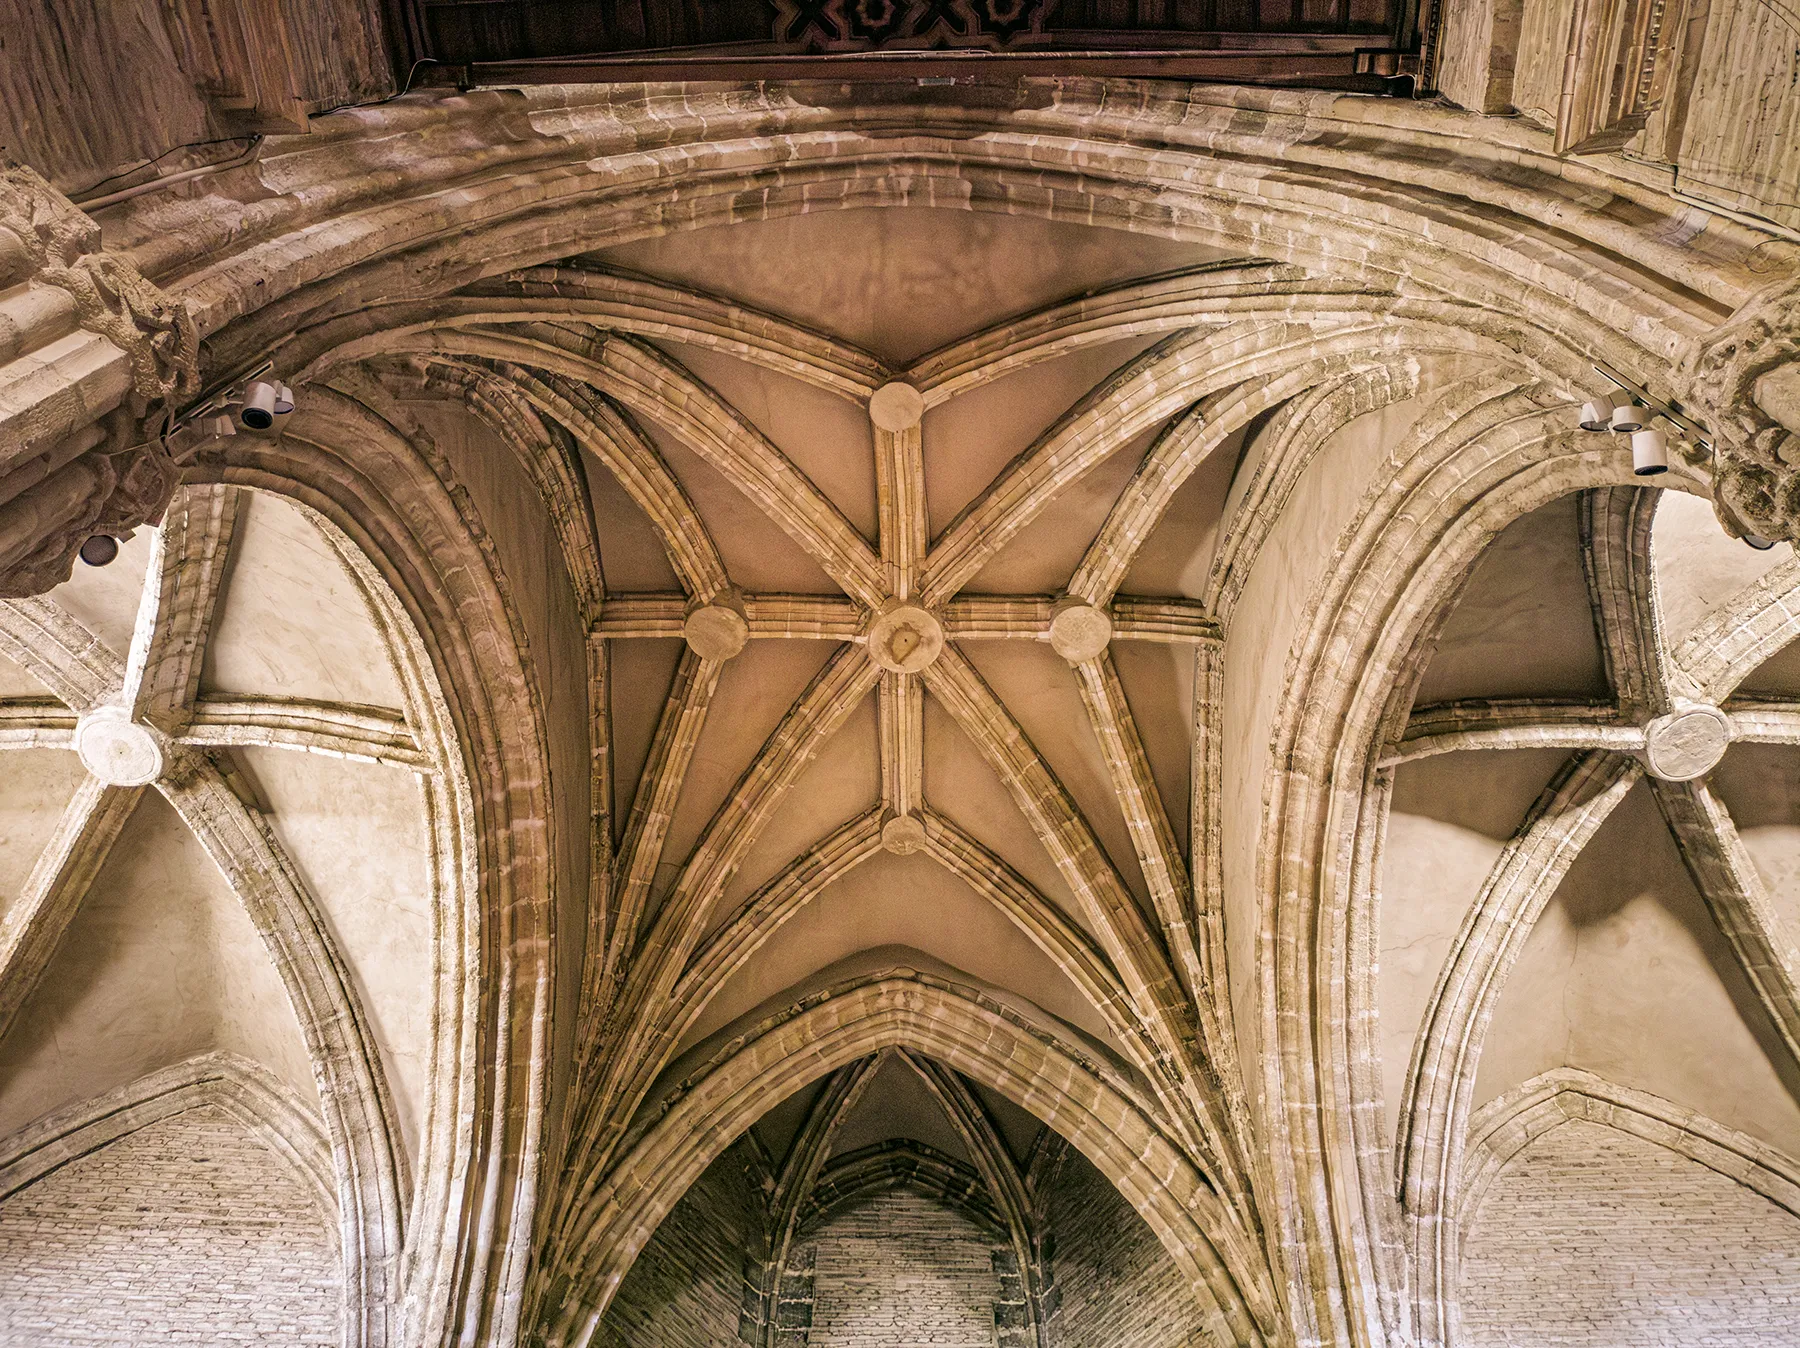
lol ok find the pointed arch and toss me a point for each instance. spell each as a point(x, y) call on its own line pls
point(959, 1027)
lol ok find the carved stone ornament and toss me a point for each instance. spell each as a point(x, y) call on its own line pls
point(116, 749)
point(904, 638)
point(1744, 382)
point(62, 247)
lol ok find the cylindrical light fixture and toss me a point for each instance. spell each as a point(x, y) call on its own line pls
point(1596, 416)
point(99, 549)
point(1649, 453)
point(284, 400)
point(1628, 417)
point(259, 406)
point(1758, 542)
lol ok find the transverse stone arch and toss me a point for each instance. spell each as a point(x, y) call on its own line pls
point(427, 567)
point(975, 1037)
point(1473, 464)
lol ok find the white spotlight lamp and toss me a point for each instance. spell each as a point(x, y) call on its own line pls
point(284, 400)
point(1649, 453)
point(1628, 417)
point(1596, 416)
point(258, 412)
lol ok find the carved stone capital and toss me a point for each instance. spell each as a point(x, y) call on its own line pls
point(45, 237)
point(1744, 382)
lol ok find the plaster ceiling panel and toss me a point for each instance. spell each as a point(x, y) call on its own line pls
point(1627, 975)
point(971, 439)
point(293, 622)
point(755, 690)
point(827, 436)
point(631, 552)
point(1698, 566)
point(1159, 685)
point(357, 834)
point(900, 282)
point(1178, 554)
point(1041, 557)
point(900, 901)
point(1778, 676)
point(1523, 625)
point(1451, 816)
point(758, 554)
point(16, 683)
point(35, 786)
point(897, 1104)
point(1041, 692)
point(159, 963)
point(1760, 785)
point(841, 782)
point(960, 785)
point(1018, 1127)
point(104, 599)
point(640, 674)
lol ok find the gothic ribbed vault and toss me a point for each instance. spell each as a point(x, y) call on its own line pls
point(835, 692)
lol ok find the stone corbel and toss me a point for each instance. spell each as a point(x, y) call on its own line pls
point(1744, 382)
point(90, 354)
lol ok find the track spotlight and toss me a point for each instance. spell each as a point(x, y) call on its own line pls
point(258, 412)
point(1596, 416)
point(1629, 417)
point(1649, 453)
point(1758, 542)
point(284, 400)
point(99, 550)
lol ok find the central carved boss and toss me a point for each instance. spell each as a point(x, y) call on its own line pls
point(904, 638)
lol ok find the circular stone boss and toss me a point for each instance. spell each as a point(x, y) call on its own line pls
point(1686, 743)
point(1079, 632)
point(116, 749)
point(896, 407)
point(904, 638)
point(715, 631)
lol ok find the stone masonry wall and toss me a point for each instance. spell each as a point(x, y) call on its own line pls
point(185, 1232)
point(1115, 1284)
point(901, 1269)
point(1593, 1236)
point(687, 1287)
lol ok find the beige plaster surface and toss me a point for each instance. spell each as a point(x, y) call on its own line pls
point(34, 789)
point(160, 963)
point(1625, 975)
point(359, 839)
point(293, 623)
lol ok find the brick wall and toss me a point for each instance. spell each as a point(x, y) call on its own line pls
point(1593, 1236)
point(1113, 1282)
point(186, 1231)
point(686, 1289)
point(898, 1270)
